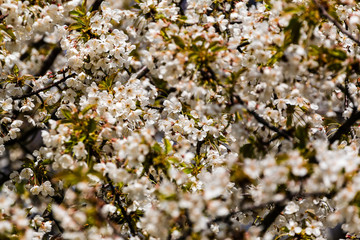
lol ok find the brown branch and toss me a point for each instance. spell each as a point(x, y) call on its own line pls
point(261, 120)
point(271, 217)
point(44, 88)
point(345, 127)
point(323, 12)
point(142, 72)
point(96, 5)
point(279, 203)
point(2, 17)
point(122, 209)
point(49, 60)
point(348, 96)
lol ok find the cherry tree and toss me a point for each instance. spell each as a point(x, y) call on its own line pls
point(179, 119)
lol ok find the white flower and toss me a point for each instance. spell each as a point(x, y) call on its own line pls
point(172, 105)
point(16, 124)
point(46, 226)
point(79, 150)
point(38, 220)
point(26, 173)
point(13, 132)
point(5, 226)
point(108, 208)
point(252, 168)
point(35, 190)
point(313, 228)
point(293, 228)
point(7, 104)
point(291, 208)
point(15, 176)
point(47, 189)
point(66, 161)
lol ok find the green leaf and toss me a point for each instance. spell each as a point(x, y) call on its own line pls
point(274, 58)
point(83, 5)
point(92, 125)
point(67, 114)
point(247, 150)
point(157, 149)
point(173, 159)
point(77, 12)
point(294, 9)
point(218, 48)
point(200, 38)
point(168, 147)
point(15, 70)
point(8, 30)
point(178, 41)
point(335, 66)
point(164, 34)
point(337, 53)
point(292, 31)
point(301, 133)
point(76, 26)
point(187, 170)
point(87, 108)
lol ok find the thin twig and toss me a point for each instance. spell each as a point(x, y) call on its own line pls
point(279, 206)
point(142, 72)
point(345, 127)
point(153, 107)
point(44, 88)
point(122, 209)
point(323, 12)
point(345, 90)
point(262, 120)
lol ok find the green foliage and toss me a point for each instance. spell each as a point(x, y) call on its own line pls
point(333, 59)
point(82, 21)
point(9, 32)
point(159, 158)
point(85, 129)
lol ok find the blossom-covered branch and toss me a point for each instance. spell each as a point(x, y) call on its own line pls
point(44, 88)
point(323, 12)
point(179, 119)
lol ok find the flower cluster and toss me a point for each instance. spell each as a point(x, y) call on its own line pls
point(179, 119)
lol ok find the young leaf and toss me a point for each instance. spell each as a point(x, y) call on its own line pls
point(67, 114)
point(168, 147)
point(178, 41)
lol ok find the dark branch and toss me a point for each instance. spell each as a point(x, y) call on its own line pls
point(262, 120)
point(345, 127)
point(44, 88)
point(153, 107)
point(281, 202)
point(271, 217)
point(142, 72)
point(122, 209)
point(23, 137)
point(96, 5)
point(345, 90)
point(2, 17)
point(49, 61)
